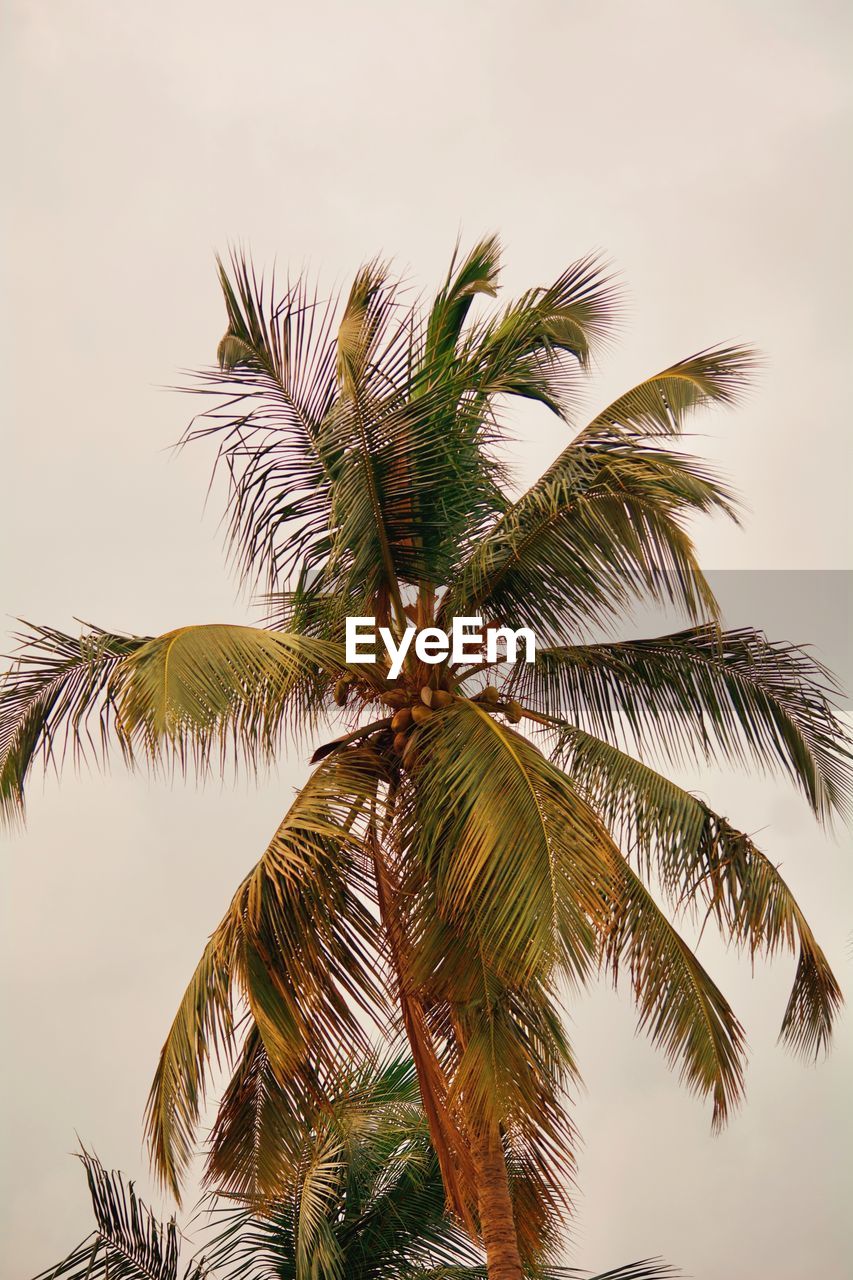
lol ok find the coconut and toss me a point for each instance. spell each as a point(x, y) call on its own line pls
point(490, 694)
point(420, 713)
point(441, 698)
point(394, 698)
point(400, 740)
point(341, 692)
point(514, 711)
point(427, 696)
point(402, 719)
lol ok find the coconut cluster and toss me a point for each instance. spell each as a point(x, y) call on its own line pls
point(410, 711)
point(418, 711)
point(414, 707)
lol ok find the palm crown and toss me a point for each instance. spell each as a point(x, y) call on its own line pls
point(443, 872)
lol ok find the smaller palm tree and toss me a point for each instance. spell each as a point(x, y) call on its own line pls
point(360, 1197)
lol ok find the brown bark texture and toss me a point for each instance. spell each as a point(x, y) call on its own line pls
point(497, 1222)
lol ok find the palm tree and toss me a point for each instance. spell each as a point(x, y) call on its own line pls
point(484, 836)
point(359, 1197)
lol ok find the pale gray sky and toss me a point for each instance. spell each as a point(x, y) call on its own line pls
point(704, 148)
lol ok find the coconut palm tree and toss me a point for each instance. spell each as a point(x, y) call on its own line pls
point(359, 1197)
point(483, 836)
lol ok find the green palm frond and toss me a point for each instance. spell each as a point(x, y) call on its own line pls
point(477, 273)
point(658, 406)
point(701, 859)
point(356, 437)
point(374, 356)
point(318, 1252)
point(604, 522)
point(358, 1182)
point(346, 452)
point(533, 348)
point(129, 1242)
point(704, 693)
point(603, 527)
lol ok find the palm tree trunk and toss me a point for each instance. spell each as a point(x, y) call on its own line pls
point(497, 1223)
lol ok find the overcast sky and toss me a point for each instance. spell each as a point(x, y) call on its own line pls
point(703, 148)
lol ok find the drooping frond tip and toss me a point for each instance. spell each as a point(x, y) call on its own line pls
point(703, 863)
point(57, 697)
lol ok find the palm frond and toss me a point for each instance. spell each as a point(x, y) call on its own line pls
point(129, 1242)
point(416, 474)
point(533, 348)
point(373, 350)
point(318, 1251)
point(658, 406)
point(477, 273)
point(275, 383)
point(681, 1008)
point(517, 857)
point(703, 693)
point(603, 527)
point(503, 840)
point(514, 1071)
point(604, 522)
point(57, 698)
point(200, 692)
point(353, 461)
point(501, 875)
point(702, 859)
point(258, 1130)
point(298, 945)
point(361, 1168)
point(648, 1269)
point(191, 696)
point(202, 1037)
point(504, 1061)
